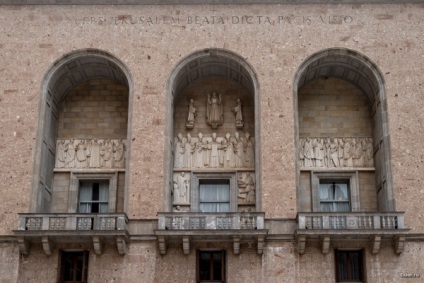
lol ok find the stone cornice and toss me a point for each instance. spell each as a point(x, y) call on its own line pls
point(201, 2)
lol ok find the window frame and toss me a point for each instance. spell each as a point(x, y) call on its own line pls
point(361, 264)
point(195, 188)
point(223, 265)
point(351, 177)
point(76, 177)
point(85, 262)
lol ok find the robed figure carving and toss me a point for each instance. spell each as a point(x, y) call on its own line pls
point(214, 111)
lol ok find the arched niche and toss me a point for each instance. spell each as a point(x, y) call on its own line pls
point(231, 77)
point(69, 73)
point(355, 71)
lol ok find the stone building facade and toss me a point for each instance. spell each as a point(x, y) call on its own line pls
point(223, 141)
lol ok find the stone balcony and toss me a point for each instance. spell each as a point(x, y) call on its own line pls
point(196, 226)
point(51, 229)
point(352, 226)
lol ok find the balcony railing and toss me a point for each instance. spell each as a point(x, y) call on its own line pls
point(72, 222)
point(211, 221)
point(71, 228)
point(351, 220)
point(192, 226)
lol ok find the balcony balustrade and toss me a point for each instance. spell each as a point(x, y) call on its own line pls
point(72, 227)
point(351, 225)
point(229, 226)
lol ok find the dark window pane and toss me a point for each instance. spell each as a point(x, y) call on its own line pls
point(349, 266)
point(211, 266)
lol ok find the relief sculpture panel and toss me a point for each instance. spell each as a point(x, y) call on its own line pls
point(90, 153)
point(336, 152)
point(214, 152)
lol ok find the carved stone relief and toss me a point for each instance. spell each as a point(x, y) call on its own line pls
point(214, 151)
point(239, 117)
point(214, 110)
point(90, 153)
point(246, 188)
point(181, 188)
point(191, 115)
point(336, 152)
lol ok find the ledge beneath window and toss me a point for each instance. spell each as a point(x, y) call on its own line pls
point(373, 227)
point(51, 229)
point(222, 227)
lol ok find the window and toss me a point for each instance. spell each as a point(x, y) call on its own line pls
point(334, 195)
point(93, 196)
point(211, 266)
point(214, 195)
point(73, 267)
point(349, 266)
point(87, 197)
point(213, 192)
point(335, 191)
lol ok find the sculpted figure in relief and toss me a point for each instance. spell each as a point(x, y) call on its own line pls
point(369, 160)
point(179, 151)
point(70, 154)
point(318, 152)
point(214, 152)
point(181, 189)
point(308, 153)
point(61, 154)
point(214, 111)
point(246, 189)
point(191, 115)
point(345, 143)
point(250, 151)
point(199, 147)
point(239, 117)
point(81, 154)
point(118, 154)
point(188, 152)
point(106, 154)
point(239, 151)
point(228, 151)
point(94, 153)
point(334, 153)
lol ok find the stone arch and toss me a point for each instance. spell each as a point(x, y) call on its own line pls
point(197, 66)
point(360, 71)
point(64, 75)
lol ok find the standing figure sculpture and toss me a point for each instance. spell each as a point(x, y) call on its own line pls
point(179, 151)
point(250, 151)
point(214, 111)
point(191, 115)
point(239, 151)
point(238, 113)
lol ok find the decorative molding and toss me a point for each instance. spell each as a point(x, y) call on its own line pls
point(399, 244)
point(375, 244)
point(162, 245)
point(301, 244)
point(200, 2)
point(121, 244)
point(98, 245)
point(186, 245)
point(236, 245)
point(325, 244)
point(261, 240)
point(47, 245)
point(23, 245)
